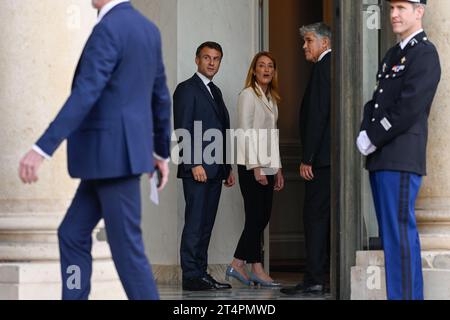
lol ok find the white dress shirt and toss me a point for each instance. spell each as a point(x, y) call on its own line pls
point(323, 55)
point(405, 42)
point(206, 81)
point(108, 7)
point(42, 153)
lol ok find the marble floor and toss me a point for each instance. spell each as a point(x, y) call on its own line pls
point(239, 292)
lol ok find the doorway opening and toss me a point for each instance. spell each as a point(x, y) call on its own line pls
point(284, 18)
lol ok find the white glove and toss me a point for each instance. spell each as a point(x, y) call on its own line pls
point(364, 144)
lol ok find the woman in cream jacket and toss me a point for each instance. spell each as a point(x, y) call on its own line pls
point(259, 166)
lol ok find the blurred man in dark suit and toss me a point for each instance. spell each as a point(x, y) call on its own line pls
point(117, 125)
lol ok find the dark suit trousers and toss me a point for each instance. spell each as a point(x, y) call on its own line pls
point(202, 201)
point(118, 202)
point(316, 219)
point(258, 208)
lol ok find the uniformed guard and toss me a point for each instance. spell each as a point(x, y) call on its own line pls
point(393, 135)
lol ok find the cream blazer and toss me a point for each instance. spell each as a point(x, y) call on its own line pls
point(257, 131)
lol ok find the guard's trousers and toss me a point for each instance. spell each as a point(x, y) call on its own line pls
point(394, 195)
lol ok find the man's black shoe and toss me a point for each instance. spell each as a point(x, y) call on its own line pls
point(314, 290)
point(298, 289)
point(309, 290)
point(198, 284)
point(217, 285)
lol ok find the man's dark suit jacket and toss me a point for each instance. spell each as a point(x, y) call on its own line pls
point(193, 103)
point(315, 116)
point(118, 112)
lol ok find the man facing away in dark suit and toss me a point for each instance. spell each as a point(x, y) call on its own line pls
point(117, 125)
point(393, 136)
point(198, 103)
point(315, 165)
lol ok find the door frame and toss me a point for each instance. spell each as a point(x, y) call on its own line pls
point(347, 102)
point(346, 162)
point(345, 224)
point(263, 45)
point(347, 106)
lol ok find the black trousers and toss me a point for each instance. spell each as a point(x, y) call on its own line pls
point(258, 208)
point(316, 219)
point(202, 201)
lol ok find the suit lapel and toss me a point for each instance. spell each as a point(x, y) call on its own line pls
point(266, 102)
point(264, 99)
point(207, 94)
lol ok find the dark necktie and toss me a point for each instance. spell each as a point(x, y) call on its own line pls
point(218, 99)
point(393, 58)
point(399, 50)
point(220, 106)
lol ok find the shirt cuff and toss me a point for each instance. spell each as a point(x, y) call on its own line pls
point(42, 153)
point(157, 157)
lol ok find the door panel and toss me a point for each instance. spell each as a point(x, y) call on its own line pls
point(286, 226)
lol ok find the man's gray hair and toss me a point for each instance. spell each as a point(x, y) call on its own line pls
point(320, 29)
point(418, 5)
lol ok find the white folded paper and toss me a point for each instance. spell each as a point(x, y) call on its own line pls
point(154, 197)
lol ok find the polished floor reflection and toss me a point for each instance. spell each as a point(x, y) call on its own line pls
point(239, 292)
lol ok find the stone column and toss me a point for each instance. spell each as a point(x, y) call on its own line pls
point(433, 205)
point(38, 55)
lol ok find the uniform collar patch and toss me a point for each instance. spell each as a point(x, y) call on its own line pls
point(413, 42)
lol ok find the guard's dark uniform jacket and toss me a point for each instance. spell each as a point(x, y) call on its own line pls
point(396, 119)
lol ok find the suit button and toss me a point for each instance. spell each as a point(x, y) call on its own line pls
point(373, 120)
point(377, 106)
point(381, 90)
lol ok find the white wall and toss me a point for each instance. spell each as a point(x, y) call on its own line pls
point(185, 24)
point(160, 223)
point(233, 24)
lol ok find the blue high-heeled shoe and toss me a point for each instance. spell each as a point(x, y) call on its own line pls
point(262, 283)
point(233, 273)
